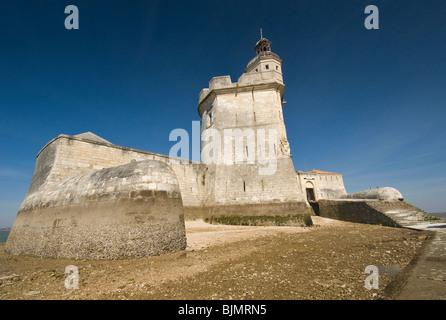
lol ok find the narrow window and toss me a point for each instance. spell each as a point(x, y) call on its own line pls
point(263, 186)
point(247, 153)
point(211, 118)
point(208, 120)
point(244, 186)
point(277, 67)
point(267, 66)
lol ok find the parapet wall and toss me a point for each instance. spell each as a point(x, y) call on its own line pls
point(68, 156)
point(386, 193)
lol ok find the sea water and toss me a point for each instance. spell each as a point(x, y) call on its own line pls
point(3, 236)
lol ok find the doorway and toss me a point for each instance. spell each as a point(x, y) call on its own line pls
point(310, 195)
point(309, 186)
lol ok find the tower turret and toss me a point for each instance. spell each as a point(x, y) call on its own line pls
point(263, 46)
point(266, 65)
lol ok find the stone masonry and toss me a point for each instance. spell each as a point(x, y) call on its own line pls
point(133, 210)
point(91, 199)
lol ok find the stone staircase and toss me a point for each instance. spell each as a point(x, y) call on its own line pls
point(404, 213)
point(390, 213)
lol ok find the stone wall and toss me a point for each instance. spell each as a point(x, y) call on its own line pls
point(240, 181)
point(242, 184)
point(69, 156)
point(203, 188)
point(128, 211)
point(392, 213)
point(257, 110)
point(326, 185)
point(359, 211)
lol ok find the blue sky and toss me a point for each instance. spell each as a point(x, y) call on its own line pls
point(370, 104)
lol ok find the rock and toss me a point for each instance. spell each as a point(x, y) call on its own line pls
point(31, 293)
point(13, 277)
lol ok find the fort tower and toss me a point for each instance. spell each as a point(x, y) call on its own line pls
point(252, 169)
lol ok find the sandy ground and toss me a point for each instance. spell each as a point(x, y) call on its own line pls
point(325, 261)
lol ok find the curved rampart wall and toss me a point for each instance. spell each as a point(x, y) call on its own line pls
point(386, 193)
point(134, 210)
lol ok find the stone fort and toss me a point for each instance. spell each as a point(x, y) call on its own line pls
point(91, 199)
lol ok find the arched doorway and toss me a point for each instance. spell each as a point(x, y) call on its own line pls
point(309, 187)
point(311, 197)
